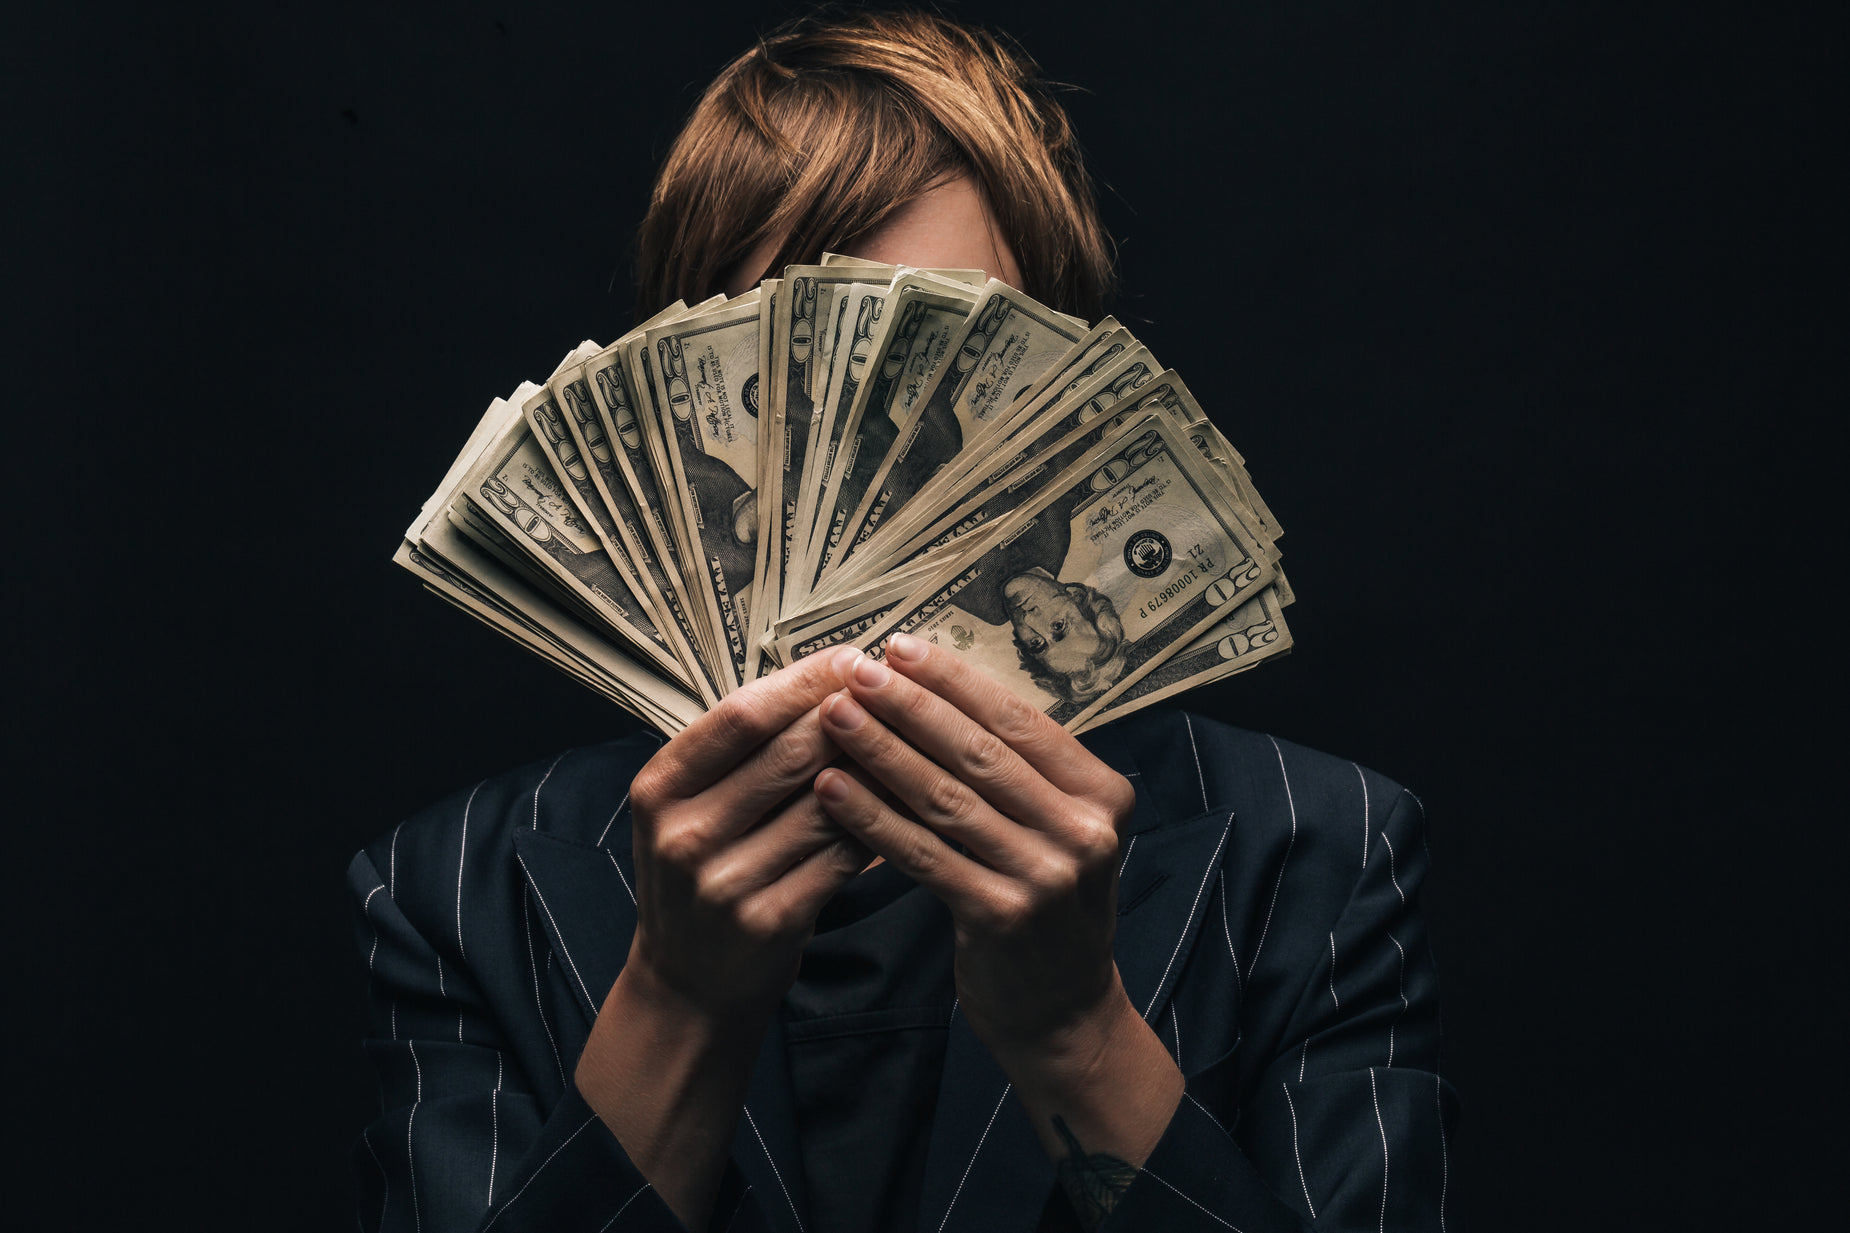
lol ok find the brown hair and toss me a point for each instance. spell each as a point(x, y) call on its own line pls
point(833, 121)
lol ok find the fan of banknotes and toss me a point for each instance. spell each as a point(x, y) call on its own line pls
point(848, 452)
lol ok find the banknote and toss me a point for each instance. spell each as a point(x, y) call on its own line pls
point(1174, 394)
point(619, 517)
point(1100, 345)
point(857, 314)
point(847, 617)
point(503, 593)
point(850, 451)
point(706, 383)
point(1086, 588)
point(501, 599)
point(514, 490)
point(618, 399)
point(858, 320)
point(913, 337)
point(1254, 633)
point(1007, 342)
point(1058, 427)
point(651, 417)
point(806, 328)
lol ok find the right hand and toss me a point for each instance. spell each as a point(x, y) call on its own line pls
point(734, 854)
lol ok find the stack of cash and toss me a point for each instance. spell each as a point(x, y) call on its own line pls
point(848, 452)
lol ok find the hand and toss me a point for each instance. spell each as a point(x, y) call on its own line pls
point(1034, 895)
point(734, 858)
point(734, 855)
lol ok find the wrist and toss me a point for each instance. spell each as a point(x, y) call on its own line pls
point(1073, 1056)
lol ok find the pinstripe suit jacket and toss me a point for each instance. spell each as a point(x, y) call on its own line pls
point(1268, 930)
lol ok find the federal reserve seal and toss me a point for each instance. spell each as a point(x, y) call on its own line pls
point(1147, 553)
point(749, 395)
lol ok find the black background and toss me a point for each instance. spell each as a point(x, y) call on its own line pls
point(1527, 318)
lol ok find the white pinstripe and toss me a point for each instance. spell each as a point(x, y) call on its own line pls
point(441, 991)
point(737, 1208)
point(753, 1123)
point(613, 818)
point(570, 962)
point(1291, 843)
point(1445, 1169)
point(1376, 1093)
point(1404, 1005)
point(417, 1072)
point(1199, 777)
point(417, 1212)
point(1204, 1211)
point(494, 1129)
point(363, 907)
point(1176, 1023)
point(968, 1165)
point(1286, 1089)
point(1391, 875)
point(392, 865)
point(526, 920)
point(1204, 1110)
point(1128, 849)
point(624, 1208)
point(1364, 779)
point(541, 784)
point(462, 852)
point(494, 1139)
point(1333, 996)
point(1303, 1056)
point(624, 880)
point(537, 1172)
point(1213, 863)
point(386, 1178)
point(1239, 982)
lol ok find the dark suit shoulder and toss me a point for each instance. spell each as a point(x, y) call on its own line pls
point(1190, 765)
point(575, 796)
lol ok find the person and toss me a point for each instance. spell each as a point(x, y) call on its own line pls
point(876, 946)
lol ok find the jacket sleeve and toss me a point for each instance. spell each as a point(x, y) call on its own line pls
point(463, 1140)
point(1345, 1125)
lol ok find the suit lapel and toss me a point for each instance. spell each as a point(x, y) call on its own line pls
point(583, 894)
point(985, 1169)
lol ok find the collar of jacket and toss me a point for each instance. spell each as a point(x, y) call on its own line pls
point(985, 1168)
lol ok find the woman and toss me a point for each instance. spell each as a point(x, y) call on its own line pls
point(878, 946)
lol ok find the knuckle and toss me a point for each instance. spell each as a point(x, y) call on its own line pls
point(1095, 842)
point(680, 847)
point(1016, 718)
point(757, 920)
point(987, 756)
point(1008, 914)
point(924, 851)
point(944, 798)
point(783, 761)
point(741, 718)
point(648, 790)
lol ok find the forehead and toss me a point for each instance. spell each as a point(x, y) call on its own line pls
point(947, 227)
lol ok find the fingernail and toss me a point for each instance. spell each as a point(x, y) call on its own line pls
point(832, 786)
point(906, 647)
point(872, 675)
point(844, 712)
point(843, 661)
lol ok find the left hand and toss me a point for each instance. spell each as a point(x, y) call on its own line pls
point(1034, 893)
